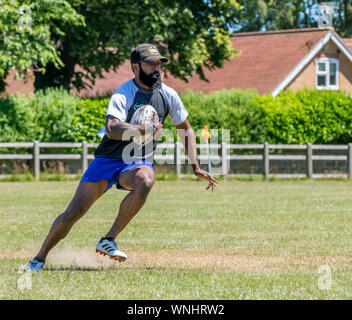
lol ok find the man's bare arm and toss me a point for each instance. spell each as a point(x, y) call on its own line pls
point(187, 135)
point(116, 129)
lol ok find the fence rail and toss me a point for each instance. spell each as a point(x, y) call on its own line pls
point(178, 157)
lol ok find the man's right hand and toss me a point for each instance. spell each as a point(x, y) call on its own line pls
point(158, 126)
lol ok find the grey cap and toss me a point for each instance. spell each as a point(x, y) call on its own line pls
point(148, 53)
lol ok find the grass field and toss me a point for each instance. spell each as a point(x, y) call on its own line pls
point(246, 240)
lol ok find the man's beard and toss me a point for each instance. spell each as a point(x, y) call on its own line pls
point(150, 80)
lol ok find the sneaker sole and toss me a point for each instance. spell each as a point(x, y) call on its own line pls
point(116, 258)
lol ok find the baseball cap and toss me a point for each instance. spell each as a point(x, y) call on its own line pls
point(148, 53)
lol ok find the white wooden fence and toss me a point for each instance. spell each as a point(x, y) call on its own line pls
point(177, 156)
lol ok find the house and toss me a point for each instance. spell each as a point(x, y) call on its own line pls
point(270, 61)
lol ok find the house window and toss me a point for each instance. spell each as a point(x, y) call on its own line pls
point(327, 74)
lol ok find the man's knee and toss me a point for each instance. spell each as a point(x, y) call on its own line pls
point(86, 194)
point(144, 182)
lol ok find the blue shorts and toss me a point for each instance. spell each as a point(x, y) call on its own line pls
point(110, 169)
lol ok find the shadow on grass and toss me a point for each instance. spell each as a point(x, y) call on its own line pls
point(74, 268)
point(102, 268)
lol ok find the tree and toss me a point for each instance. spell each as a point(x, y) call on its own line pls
point(259, 15)
point(343, 18)
point(193, 34)
point(252, 16)
point(285, 14)
point(27, 33)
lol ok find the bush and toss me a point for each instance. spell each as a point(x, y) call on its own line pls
point(46, 117)
point(227, 109)
point(320, 117)
point(9, 120)
point(89, 119)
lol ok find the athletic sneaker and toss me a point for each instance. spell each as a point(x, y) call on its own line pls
point(35, 265)
point(108, 247)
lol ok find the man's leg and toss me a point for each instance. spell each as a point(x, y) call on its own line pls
point(140, 181)
point(86, 194)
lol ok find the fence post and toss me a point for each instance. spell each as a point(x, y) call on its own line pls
point(266, 161)
point(36, 160)
point(224, 166)
point(349, 159)
point(178, 159)
point(309, 160)
point(84, 156)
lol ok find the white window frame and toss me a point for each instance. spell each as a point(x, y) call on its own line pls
point(327, 62)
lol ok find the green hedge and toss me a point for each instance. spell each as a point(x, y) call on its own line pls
point(320, 117)
point(301, 117)
point(52, 115)
point(89, 119)
point(236, 110)
point(46, 117)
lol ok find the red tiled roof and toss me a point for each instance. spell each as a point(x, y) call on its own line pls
point(266, 59)
point(348, 43)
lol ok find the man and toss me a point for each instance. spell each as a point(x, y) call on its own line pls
point(109, 168)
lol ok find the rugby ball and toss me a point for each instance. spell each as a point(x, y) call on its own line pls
point(143, 115)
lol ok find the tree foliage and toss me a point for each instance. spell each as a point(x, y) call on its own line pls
point(257, 15)
point(343, 18)
point(54, 36)
point(28, 31)
point(192, 34)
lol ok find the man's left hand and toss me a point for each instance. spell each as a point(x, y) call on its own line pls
point(206, 175)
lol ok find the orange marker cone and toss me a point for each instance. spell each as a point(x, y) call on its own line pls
point(205, 133)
